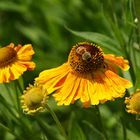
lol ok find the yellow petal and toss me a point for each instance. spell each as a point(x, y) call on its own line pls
point(73, 93)
point(28, 65)
point(92, 93)
point(4, 75)
point(80, 89)
point(67, 88)
point(106, 86)
point(84, 96)
point(16, 70)
point(119, 82)
point(98, 90)
point(46, 75)
point(25, 52)
point(7, 74)
point(82, 92)
point(55, 83)
point(118, 61)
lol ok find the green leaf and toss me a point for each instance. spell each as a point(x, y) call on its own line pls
point(137, 84)
point(50, 131)
point(11, 6)
point(75, 131)
point(106, 42)
point(93, 131)
point(132, 136)
point(34, 33)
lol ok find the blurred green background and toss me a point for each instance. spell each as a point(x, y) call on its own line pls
point(42, 23)
point(53, 27)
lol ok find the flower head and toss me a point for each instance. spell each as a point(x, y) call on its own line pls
point(133, 103)
point(89, 75)
point(34, 99)
point(14, 60)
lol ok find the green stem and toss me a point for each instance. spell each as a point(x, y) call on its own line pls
point(100, 122)
point(137, 117)
point(6, 128)
point(6, 104)
point(8, 90)
point(19, 86)
point(57, 122)
point(18, 94)
point(134, 15)
point(124, 129)
point(10, 95)
point(131, 70)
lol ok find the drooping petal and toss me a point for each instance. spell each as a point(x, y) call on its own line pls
point(55, 83)
point(4, 75)
point(16, 70)
point(118, 61)
point(67, 89)
point(53, 79)
point(106, 86)
point(119, 82)
point(46, 75)
point(84, 96)
point(1, 76)
point(71, 96)
point(98, 89)
point(80, 90)
point(28, 65)
point(25, 52)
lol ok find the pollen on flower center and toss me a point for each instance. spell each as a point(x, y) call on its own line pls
point(7, 56)
point(86, 57)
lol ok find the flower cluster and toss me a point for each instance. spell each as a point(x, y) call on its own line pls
point(89, 75)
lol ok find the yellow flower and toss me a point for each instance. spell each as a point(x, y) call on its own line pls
point(14, 60)
point(89, 75)
point(34, 99)
point(133, 103)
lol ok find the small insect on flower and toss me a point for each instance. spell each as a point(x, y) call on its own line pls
point(34, 99)
point(14, 60)
point(88, 75)
point(133, 103)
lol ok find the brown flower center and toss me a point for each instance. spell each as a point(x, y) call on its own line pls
point(86, 57)
point(7, 56)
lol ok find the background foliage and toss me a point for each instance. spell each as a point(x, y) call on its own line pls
point(53, 27)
